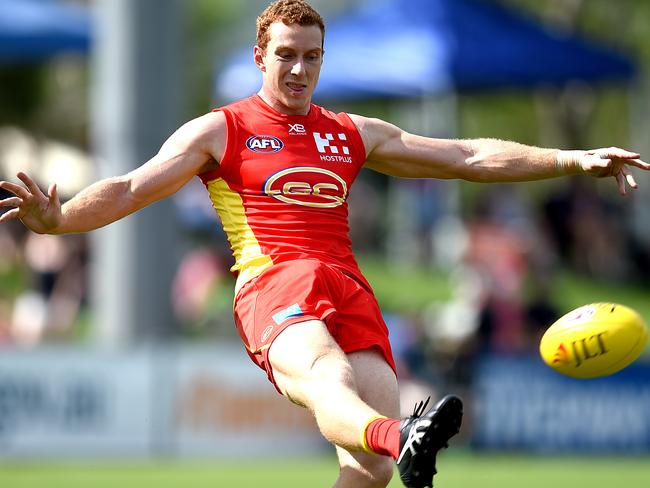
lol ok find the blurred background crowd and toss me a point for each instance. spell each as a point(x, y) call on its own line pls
point(460, 268)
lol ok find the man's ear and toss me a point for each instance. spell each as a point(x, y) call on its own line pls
point(258, 56)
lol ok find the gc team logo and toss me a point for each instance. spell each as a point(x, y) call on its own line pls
point(307, 186)
point(264, 144)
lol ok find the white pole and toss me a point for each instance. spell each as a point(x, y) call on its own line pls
point(136, 101)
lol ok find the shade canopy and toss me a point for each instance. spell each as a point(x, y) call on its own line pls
point(409, 48)
point(34, 30)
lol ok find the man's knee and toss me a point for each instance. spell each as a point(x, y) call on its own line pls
point(331, 366)
point(306, 361)
point(307, 386)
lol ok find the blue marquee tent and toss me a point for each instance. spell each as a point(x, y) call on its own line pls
point(403, 48)
point(33, 30)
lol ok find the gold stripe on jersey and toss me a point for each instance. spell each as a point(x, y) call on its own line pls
point(250, 261)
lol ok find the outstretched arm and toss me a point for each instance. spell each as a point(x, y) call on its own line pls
point(191, 150)
point(393, 151)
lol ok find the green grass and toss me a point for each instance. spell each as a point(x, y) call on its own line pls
point(573, 290)
point(404, 289)
point(456, 471)
point(12, 282)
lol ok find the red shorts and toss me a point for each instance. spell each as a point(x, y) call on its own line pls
point(296, 291)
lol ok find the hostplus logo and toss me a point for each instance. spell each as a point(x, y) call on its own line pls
point(333, 148)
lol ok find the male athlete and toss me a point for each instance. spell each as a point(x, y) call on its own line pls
point(278, 170)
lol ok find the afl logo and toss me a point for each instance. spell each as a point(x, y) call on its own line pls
point(307, 186)
point(264, 144)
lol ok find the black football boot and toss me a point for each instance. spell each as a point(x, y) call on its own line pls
point(422, 436)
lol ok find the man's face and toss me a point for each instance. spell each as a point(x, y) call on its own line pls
point(290, 65)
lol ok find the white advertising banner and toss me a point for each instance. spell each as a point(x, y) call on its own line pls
point(59, 402)
point(188, 401)
point(224, 405)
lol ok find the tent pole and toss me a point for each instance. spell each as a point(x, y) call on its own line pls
point(639, 100)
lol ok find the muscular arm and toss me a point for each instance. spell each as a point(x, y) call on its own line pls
point(192, 149)
point(395, 152)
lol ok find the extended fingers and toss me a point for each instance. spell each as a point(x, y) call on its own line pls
point(623, 176)
point(17, 190)
point(637, 163)
point(616, 152)
point(29, 183)
point(629, 177)
point(620, 180)
point(10, 215)
point(627, 157)
point(53, 194)
point(11, 202)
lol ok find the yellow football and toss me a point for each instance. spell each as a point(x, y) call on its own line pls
point(594, 340)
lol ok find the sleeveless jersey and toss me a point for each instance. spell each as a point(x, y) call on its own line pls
point(282, 185)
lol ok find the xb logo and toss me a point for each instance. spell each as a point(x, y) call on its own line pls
point(307, 186)
point(297, 129)
point(264, 144)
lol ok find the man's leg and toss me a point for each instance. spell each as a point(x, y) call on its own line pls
point(312, 370)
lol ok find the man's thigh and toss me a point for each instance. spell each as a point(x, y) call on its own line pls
point(293, 357)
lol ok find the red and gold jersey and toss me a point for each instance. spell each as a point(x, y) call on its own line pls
point(282, 185)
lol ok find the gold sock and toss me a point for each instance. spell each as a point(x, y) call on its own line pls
point(364, 441)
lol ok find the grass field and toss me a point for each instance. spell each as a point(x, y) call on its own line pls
point(456, 471)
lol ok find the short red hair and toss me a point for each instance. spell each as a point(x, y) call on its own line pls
point(288, 12)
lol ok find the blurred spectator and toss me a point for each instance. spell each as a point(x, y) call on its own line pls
point(48, 307)
point(11, 275)
point(9, 246)
point(497, 253)
point(201, 293)
point(417, 374)
point(366, 215)
point(540, 311)
point(452, 327)
point(199, 272)
point(588, 230)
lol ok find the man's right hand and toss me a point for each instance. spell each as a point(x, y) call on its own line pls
point(38, 212)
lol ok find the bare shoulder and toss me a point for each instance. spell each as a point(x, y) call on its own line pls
point(204, 135)
point(373, 130)
point(371, 124)
point(211, 125)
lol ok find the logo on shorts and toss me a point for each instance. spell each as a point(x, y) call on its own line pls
point(292, 311)
point(264, 144)
point(307, 186)
point(266, 333)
